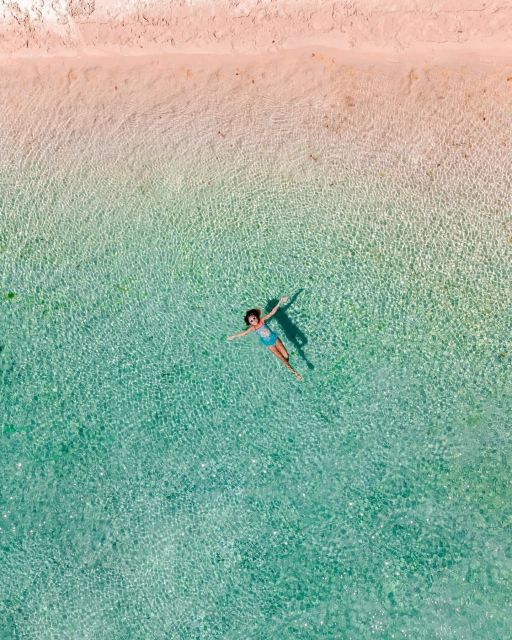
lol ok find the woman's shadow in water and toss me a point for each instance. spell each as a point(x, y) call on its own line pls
point(289, 328)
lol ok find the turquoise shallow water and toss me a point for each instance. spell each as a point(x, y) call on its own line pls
point(160, 482)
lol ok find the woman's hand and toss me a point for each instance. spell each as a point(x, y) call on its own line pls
point(283, 299)
point(229, 338)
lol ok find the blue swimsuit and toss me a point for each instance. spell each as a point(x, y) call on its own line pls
point(266, 335)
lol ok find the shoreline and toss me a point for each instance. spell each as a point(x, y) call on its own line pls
point(325, 53)
point(450, 56)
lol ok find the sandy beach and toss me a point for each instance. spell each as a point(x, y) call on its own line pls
point(362, 77)
point(255, 26)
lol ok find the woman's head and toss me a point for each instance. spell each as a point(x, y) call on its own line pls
point(252, 317)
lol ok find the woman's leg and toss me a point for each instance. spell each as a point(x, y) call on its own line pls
point(280, 347)
point(277, 353)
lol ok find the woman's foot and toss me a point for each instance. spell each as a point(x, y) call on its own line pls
point(297, 375)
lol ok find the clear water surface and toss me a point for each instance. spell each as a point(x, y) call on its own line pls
point(159, 482)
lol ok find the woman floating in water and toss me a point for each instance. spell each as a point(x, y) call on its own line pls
point(266, 335)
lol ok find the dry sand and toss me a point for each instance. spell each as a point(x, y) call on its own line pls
point(400, 26)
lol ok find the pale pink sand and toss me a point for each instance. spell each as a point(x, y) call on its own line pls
point(256, 25)
point(295, 103)
point(304, 88)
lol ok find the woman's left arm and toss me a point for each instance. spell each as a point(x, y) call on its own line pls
point(271, 313)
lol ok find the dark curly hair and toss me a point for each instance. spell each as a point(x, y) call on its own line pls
point(252, 312)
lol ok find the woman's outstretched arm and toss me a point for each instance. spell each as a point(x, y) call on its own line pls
point(242, 333)
point(271, 313)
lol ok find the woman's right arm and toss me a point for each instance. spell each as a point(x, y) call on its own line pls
point(239, 335)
